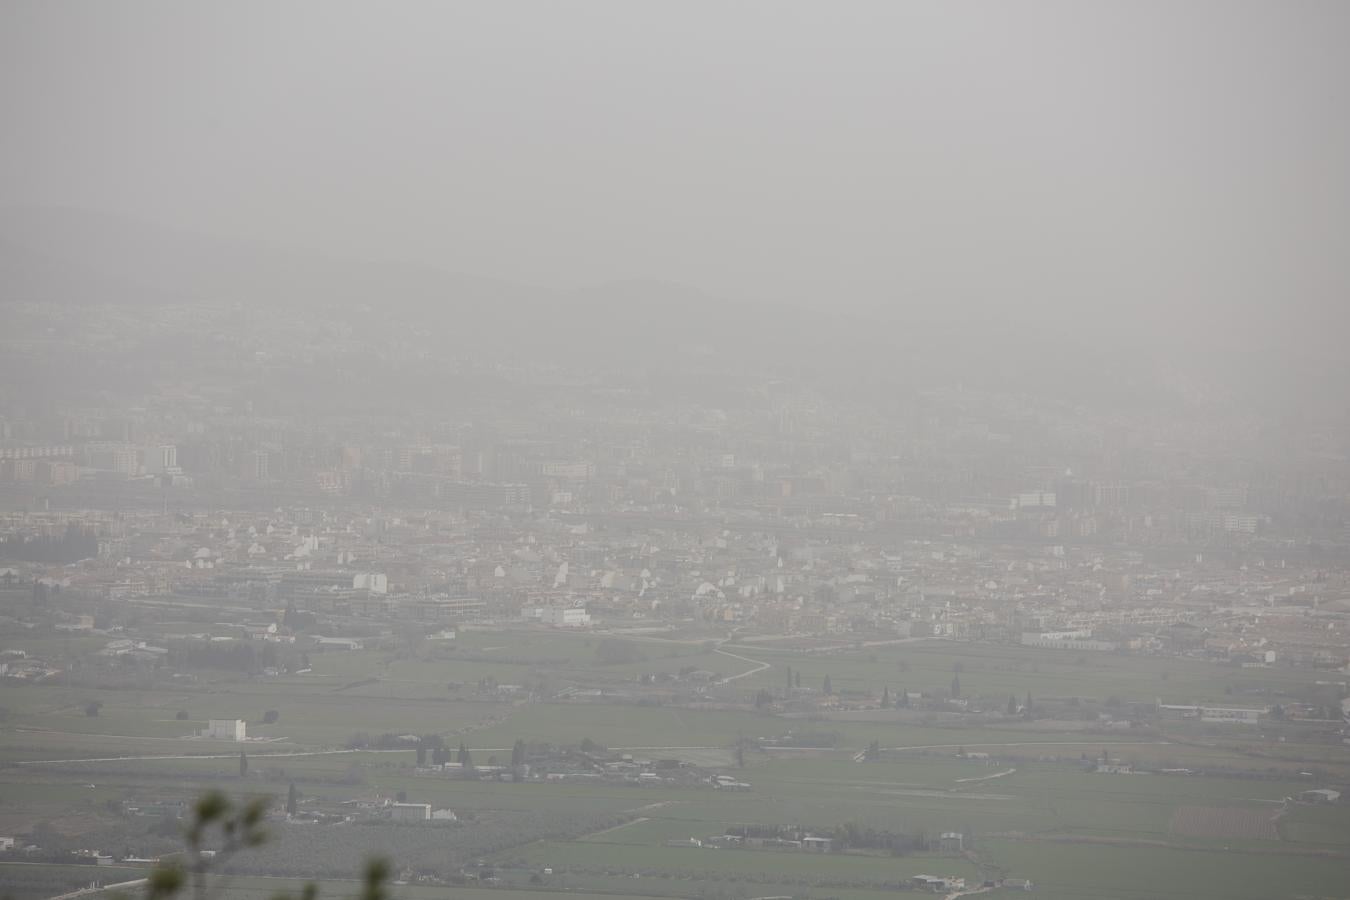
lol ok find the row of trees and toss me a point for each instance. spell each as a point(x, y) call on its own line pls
point(76, 544)
point(901, 700)
point(848, 836)
point(431, 748)
point(235, 656)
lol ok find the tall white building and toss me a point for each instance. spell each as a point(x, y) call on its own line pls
point(162, 460)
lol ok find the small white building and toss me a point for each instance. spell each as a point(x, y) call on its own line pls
point(225, 730)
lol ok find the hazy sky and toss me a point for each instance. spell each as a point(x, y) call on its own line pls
point(1066, 157)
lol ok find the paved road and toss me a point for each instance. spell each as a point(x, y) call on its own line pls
point(258, 756)
point(121, 885)
point(1032, 744)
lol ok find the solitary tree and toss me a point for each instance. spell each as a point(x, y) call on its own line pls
point(1012, 705)
point(827, 687)
point(243, 764)
point(797, 678)
point(902, 699)
point(789, 678)
point(956, 686)
point(518, 753)
point(292, 799)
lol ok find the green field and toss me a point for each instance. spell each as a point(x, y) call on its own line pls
point(1086, 872)
point(1031, 811)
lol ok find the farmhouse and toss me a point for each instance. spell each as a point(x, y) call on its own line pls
point(225, 730)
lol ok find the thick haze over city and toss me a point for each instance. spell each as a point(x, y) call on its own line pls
point(674, 450)
point(1084, 165)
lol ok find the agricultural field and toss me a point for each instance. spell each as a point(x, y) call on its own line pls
point(1226, 823)
point(1025, 800)
point(26, 881)
point(1088, 871)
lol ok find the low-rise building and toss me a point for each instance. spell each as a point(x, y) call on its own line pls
point(225, 730)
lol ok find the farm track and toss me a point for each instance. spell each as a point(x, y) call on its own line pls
point(621, 825)
point(1168, 845)
point(759, 665)
point(985, 777)
point(1029, 744)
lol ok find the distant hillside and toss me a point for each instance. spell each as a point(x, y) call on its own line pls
point(74, 257)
